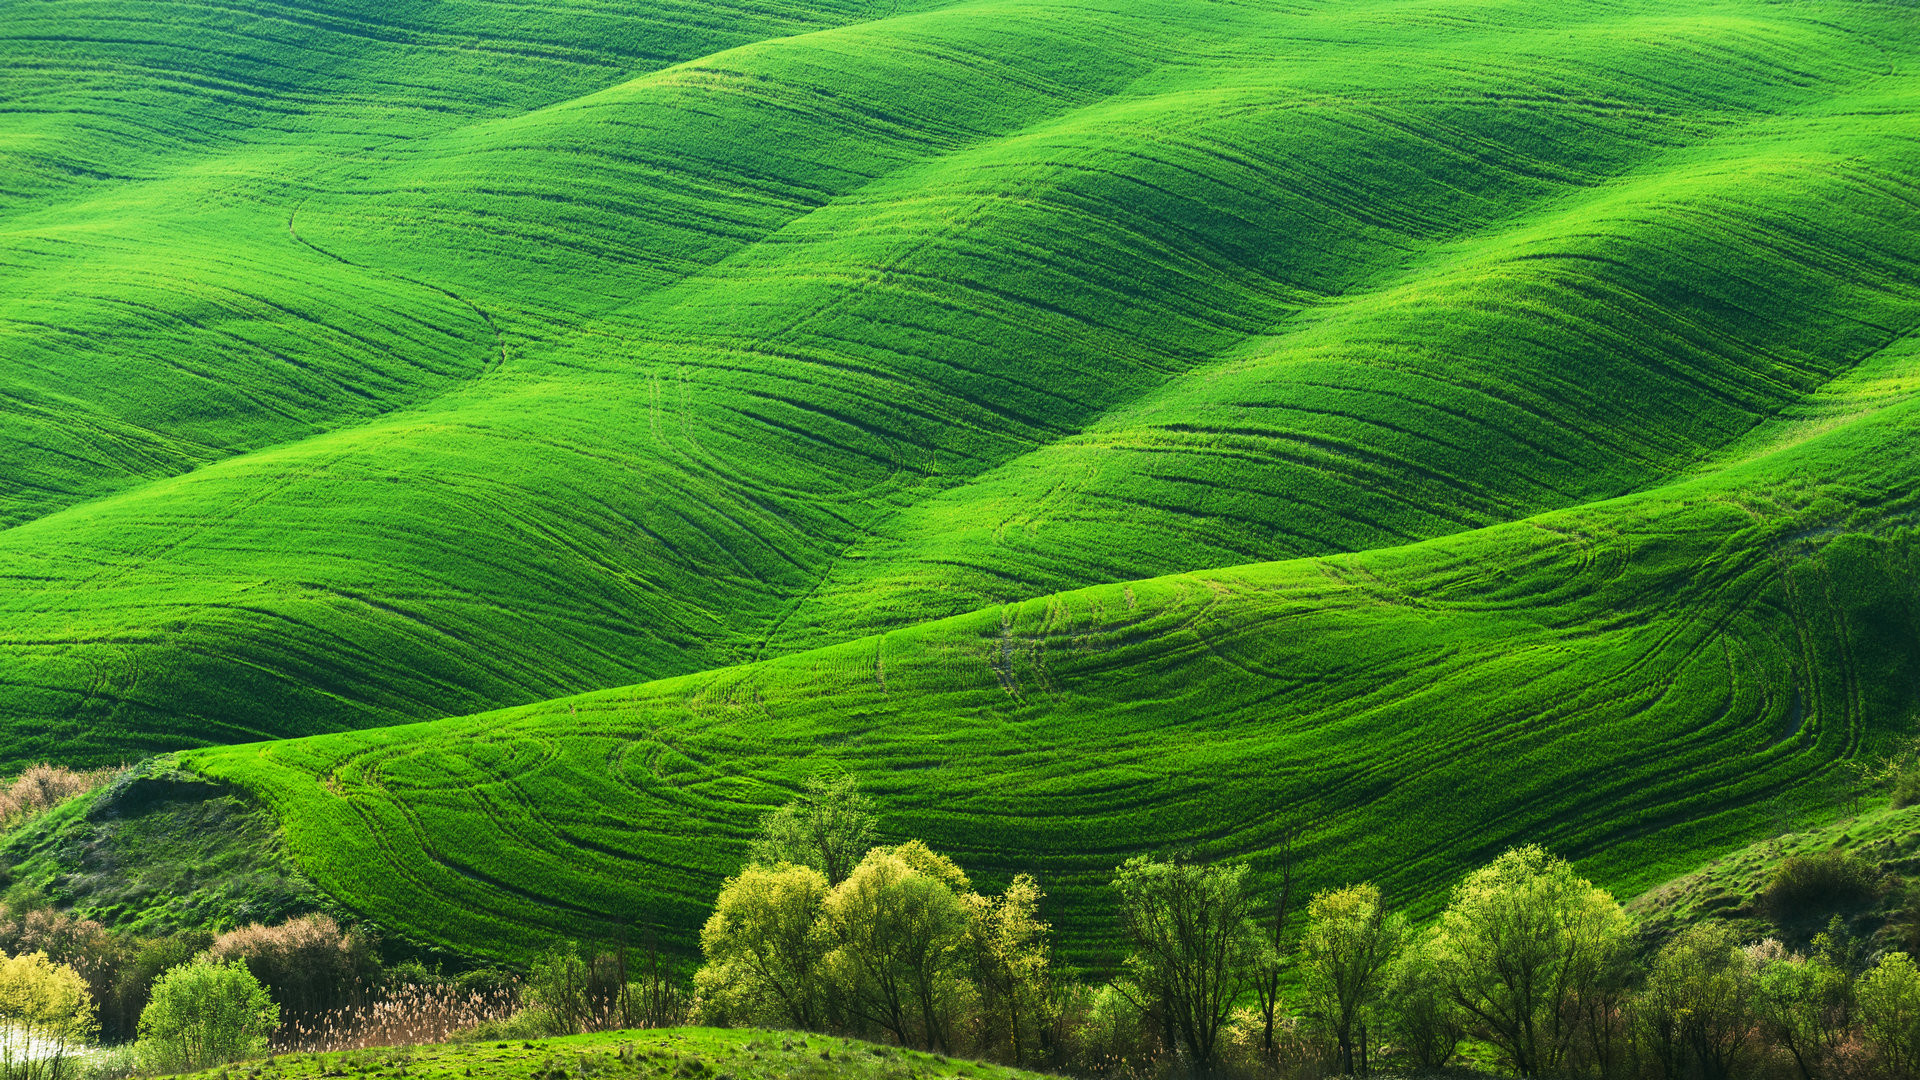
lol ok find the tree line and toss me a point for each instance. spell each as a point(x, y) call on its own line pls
point(1530, 968)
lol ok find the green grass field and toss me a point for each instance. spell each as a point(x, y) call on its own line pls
point(1105, 424)
point(1631, 682)
point(675, 1053)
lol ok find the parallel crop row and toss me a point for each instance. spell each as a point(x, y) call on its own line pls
point(1631, 682)
point(845, 330)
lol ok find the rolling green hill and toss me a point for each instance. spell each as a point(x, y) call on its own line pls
point(1631, 682)
point(824, 374)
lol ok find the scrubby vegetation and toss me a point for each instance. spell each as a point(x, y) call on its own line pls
point(1819, 884)
point(41, 787)
point(1529, 969)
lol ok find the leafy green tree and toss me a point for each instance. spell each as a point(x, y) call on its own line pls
point(1424, 1019)
point(1804, 1004)
point(1272, 921)
point(1194, 944)
point(1012, 963)
point(204, 1014)
point(1701, 1004)
point(45, 1015)
point(765, 947)
point(1350, 941)
point(1889, 996)
point(899, 929)
point(829, 827)
point(1522, 943)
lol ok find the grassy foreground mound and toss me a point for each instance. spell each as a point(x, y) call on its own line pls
point(670, 1053)
point(1630, 682)
point(410, 360)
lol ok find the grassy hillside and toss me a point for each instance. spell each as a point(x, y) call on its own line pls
point(1630, 682)
point(630, 349)
point(1108, 423)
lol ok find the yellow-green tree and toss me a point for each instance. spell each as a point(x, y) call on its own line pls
point(828, 827)
point(1890, 1006)
point(765, 948)
point(1523, 943)
point(1698, 1011)
point(898, 929)
point(1012, 963)
point(1350, 941)
point(45, 1015)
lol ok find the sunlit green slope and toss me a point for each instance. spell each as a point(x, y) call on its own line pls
point(1632, 682)
point(617, 368)
point(155, 314)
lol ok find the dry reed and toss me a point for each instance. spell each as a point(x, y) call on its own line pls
point(404, 1016)
point(42, 787)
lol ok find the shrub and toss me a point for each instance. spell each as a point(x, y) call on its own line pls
point(1701, 1005)
point(1421, 1018)
point(1194, 946)
point(42, 787)
point(899, 931)
point(536, 1022)
point(764, 949)
point(1351, 939)
point(1804, 1004)
point(205, 1014)
point(1810, 885)
point(584, 992)
point(133, 982)
point(45, 1015)
point(1013, 968)
point(1116, 1039)
point(309, 965)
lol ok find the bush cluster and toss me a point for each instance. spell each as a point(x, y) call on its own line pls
point(1818, 884)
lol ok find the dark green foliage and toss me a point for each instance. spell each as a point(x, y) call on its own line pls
point(150, 958)
point(1817, 885)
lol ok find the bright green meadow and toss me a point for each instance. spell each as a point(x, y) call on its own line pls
point(519, 442)
point(665, 1053)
